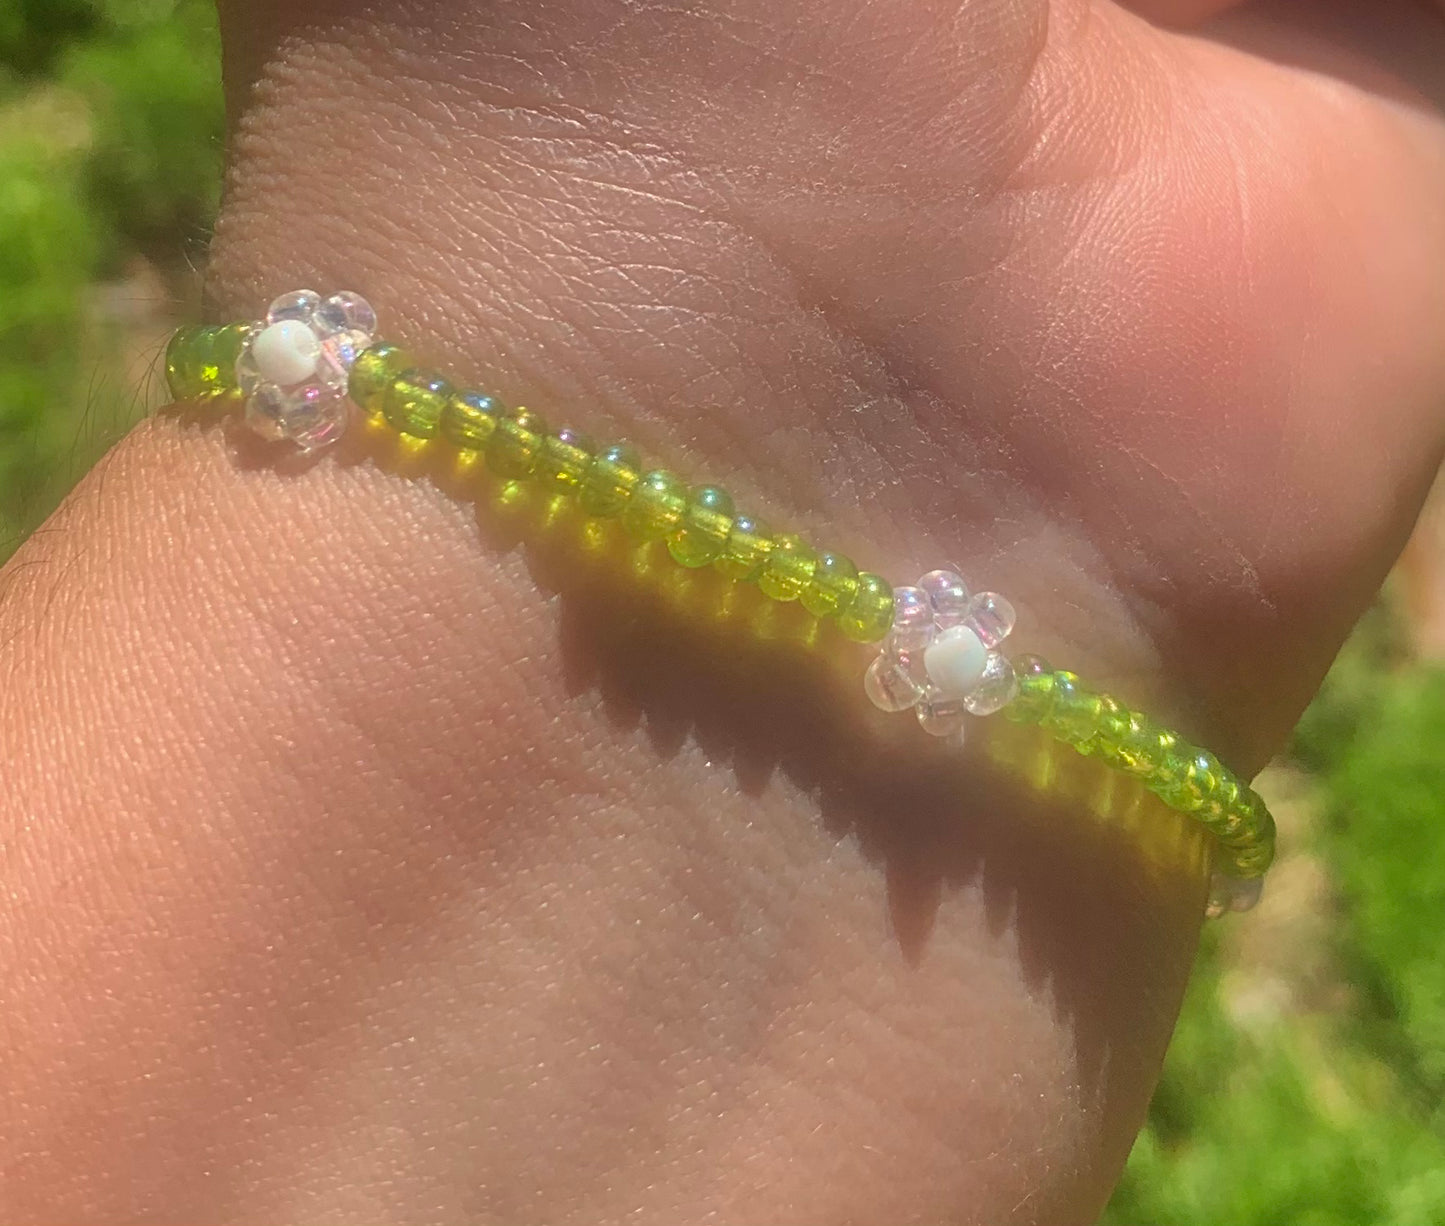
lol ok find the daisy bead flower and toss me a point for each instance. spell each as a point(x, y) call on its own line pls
point(294, 366)
point(941, 655)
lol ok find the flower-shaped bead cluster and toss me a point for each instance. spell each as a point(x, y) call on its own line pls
point(294, 367)
point(941, 656)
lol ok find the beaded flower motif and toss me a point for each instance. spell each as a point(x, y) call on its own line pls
point(941, 655)
point(294, 366)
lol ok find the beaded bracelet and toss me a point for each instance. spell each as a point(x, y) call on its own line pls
point(301, 373)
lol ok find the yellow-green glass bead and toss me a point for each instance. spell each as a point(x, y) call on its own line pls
point(833, 587)
point(609, 481)
point(1224, 804)
point(516, 443)
point(1205, 775)
point(1112, 731)
point(870, 615)
point(1239, 820)
point(1142, 750)
point(566, 456)
point(468, 420)
point(1221, 810)
point(656, 506)
point(182, 362)
point(372, 374)
point(226, 345)
point(1261, 822)
point(414, 401)
point(1036, 689)
point(789, 568)
point(201, 361)
point(1074, 715)
point(1065, 687)
point(746, 551)
point(1186, 781)
point(1148, 750)
point(1251, 861)
point(703, 531)
point(1165, 778)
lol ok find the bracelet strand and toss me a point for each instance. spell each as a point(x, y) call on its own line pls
point(298, 374)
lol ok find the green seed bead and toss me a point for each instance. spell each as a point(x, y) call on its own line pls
point(469, 419)
point(1074, 715)
point(226, 346)
point(1145, 747)
point(746, 552)
point(1160, 750)
point(1065, 688)
point(414, 401)
point(1221, 811)
point(1175, 785)
point(1112, 733)
point(566, 456)
point(372, 374)
point(870, 616)
point(201, 361)
point(1205, 775)
point(1187, 781)
point(516, 443)
point(1237, 820)
point(608, 483)
point(833, 588)
point(703, 532)
point(656, 506)
point(1251, 861)
point(182, 353)
point(1224, 823)
point(1036, 690)
point(789, 568)
point(1260, 819)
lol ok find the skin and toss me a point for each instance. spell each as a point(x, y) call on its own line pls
point(362, 862)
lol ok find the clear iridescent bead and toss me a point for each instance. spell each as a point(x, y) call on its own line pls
point(266, 408)
point(991, 617)
point(995, 689)
point(940, 657)
point(344, 312)
point(889, 686)
point(912, 620)
point(913, 665)
point(1235, 894)
point(294, 369)
point(299, 304)
point(339, 352)
point(948, 594)
point(310, 416)
point(941, 716)
point(248, 374)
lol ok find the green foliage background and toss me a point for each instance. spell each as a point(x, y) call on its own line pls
point(1305, 1085)
point(111, 129)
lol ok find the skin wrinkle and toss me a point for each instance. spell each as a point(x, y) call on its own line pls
point(815, 500)
point(493, 888)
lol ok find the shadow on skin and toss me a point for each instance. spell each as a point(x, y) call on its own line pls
point(1057, 844)
point(1076, 869)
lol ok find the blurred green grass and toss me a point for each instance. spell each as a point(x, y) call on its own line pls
point(1305, 1083)
point(1304, 1086)
point(111, 128)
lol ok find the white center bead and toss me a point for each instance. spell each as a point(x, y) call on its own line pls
point(955, 661)
point(286, 352)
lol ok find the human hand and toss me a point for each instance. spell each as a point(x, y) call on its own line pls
point(1137, 327)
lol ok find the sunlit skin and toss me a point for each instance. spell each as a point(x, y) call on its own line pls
point(365, 860)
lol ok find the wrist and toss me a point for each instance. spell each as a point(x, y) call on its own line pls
point(535, 836)
point(565, 275)
point(380, 751)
